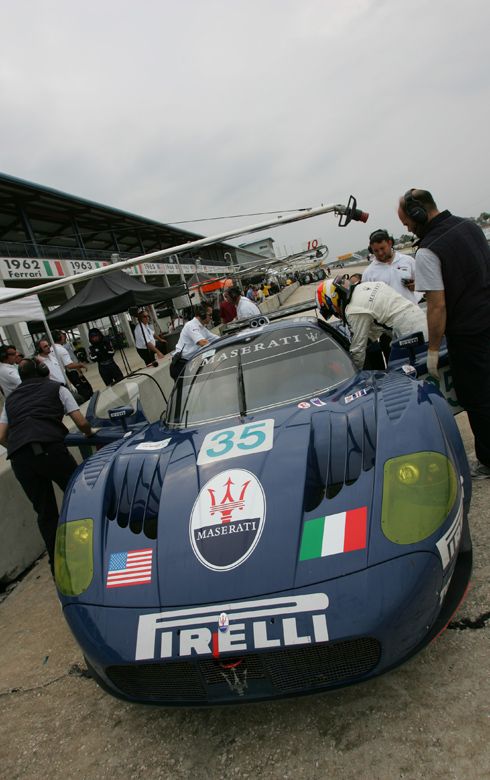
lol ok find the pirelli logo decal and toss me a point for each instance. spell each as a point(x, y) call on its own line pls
point(449, 543)
point(251, 625)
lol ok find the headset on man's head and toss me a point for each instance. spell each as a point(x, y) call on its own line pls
point(377, 236)
point(414, 208)
point(41, 369)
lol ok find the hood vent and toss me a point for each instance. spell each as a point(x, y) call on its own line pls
point(135, 495)
point(344, 445)
point(96, 463)
point(397, 393)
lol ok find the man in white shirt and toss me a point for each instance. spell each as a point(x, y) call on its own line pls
point(73, 368)
point(9, 374)
point(195, 334)
point(390, 266)
point(244, 307)
point(68, 346)
point(46, 354)
point(144, 339)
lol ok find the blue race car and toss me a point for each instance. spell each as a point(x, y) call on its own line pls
point(292, 525)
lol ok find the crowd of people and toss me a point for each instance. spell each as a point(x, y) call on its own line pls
point(40, 390)
point(450, 273)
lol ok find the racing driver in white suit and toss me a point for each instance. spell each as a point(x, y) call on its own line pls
point(369, 308)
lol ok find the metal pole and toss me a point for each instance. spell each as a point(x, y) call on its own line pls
point(182, 275)
point(175, 250)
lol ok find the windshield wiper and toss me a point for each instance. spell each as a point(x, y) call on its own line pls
point(242, 403)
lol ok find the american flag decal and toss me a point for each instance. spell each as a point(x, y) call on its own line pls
point(129, 568)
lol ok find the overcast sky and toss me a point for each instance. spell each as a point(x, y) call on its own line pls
point(185, 109)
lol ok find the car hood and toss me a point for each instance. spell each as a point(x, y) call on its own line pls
point(302, 511)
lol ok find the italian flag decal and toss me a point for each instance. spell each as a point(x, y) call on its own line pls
point(334, 534)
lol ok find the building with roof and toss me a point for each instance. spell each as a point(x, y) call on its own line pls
point(263, 247)
point(47, 234)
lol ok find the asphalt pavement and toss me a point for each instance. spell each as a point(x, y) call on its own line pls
point(429, 718)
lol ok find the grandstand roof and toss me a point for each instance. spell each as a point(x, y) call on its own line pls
point(38, 221)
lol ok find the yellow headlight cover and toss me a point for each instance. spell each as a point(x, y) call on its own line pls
point(419, 491)
point(74, 556)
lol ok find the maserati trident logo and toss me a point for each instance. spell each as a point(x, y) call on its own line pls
point(227, 504)
point(227, 519)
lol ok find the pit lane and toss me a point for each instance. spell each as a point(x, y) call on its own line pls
point(429, 718)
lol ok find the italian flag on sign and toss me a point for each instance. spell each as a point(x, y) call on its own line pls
point(334, 534)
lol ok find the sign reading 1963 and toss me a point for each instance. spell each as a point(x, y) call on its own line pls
point(79, 266)
point(30, 268)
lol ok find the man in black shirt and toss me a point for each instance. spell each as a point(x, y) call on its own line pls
point(102, 352)
point(32, 429)
point(452, 268)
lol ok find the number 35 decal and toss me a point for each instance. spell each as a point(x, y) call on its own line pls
point(236, 441)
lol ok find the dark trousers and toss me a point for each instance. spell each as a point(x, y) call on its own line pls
point(146, 355)
point(161, 345)
point(110, 372)
point(469, 358)
point(80, 383)
point(36, 472)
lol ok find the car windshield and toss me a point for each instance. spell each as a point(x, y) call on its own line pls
point(262, 370)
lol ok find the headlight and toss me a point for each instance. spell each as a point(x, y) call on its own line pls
point(74, 556)
point(419, 491)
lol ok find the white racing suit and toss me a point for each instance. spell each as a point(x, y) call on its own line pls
point(375, 308)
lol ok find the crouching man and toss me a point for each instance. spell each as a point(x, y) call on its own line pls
point(369, 309)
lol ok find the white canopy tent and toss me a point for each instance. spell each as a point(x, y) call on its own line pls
point(23, 310)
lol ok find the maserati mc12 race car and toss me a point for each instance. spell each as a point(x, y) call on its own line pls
point(291, 525)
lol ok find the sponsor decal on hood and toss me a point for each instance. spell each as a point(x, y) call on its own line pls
point(259, 624)
point(129, 568)
point(227, 519)
point(237, 441)
point(358, 394)
point(317, 402)
point(334, 534)
point(448, 544)
point(153, 445)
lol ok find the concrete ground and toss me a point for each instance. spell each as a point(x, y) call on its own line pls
point(428, 719)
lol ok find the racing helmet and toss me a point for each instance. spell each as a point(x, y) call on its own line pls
point(327, 298)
